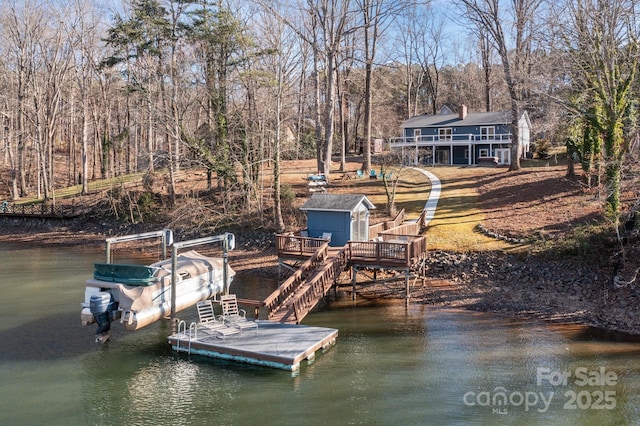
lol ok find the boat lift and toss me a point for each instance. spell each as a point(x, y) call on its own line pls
point(100, 305)
point(228, 243)
point(227, 239)
point(166, 235)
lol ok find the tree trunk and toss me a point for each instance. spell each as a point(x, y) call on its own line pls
point(317, 110)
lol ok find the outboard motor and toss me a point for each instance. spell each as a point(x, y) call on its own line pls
point(102, 305)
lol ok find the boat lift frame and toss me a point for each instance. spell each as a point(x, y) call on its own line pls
point(228, 243)
point(166, 235)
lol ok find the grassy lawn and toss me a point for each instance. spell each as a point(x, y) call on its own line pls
point(457, 214)
point(93, 186)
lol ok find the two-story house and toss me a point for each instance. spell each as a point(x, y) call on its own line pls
point(463, 138)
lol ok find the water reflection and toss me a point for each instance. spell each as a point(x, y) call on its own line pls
point(391, 364)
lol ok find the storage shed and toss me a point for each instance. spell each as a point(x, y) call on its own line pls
point(344, 216)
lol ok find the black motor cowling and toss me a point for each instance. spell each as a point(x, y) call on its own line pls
point(101, 306)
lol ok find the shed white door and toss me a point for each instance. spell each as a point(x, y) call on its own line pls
point(360, 225)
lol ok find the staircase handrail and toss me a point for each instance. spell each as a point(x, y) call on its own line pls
point(290, 285)
point(318, 286)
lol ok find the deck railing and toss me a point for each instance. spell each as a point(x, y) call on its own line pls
point(376, 230)
point(380, 228)
point(38, 210)
point(296, 245)
point(379, 252)
point(404, 229)
point(291, 285)
point(429, 140)
point(318, 286)
point(295, 297)
point(393, 250)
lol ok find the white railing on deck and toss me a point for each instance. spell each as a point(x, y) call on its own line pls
point(460, 139)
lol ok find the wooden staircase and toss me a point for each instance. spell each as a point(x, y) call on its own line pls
point(301, 292)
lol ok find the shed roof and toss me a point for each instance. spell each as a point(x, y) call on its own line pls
point(451, 120)
point(336, 202)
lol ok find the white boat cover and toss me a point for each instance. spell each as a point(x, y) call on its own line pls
point(190, 264)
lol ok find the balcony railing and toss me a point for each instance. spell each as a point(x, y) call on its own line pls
point(460, 139)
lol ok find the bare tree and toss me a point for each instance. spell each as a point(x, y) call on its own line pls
point(280, 68)
point(333, 18)
point(486, 55)
point(407, 28)
point(83, 30)
point(513, 47)
point(22, 23)
point(51, 77)
point(377, 15)
point(324, 24)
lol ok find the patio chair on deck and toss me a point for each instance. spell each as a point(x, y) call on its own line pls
point(208, 323)
point(234, 316)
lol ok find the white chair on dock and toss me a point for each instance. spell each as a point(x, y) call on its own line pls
point(208, 323)
point(234, 316)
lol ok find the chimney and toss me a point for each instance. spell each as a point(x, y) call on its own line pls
point(462, 112)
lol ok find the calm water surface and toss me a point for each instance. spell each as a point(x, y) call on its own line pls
point(391, 365)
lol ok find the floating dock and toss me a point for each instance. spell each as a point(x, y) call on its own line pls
point(276, 345)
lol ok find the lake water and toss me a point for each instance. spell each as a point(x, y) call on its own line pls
point(391, 365)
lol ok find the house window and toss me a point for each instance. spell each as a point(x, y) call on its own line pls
point(466, 154)
point(445, 134)
point(483, 152)
point(487, 133)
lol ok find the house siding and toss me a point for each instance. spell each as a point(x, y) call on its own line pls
point(338, 223)
point(465, 136)
point(460, 133)
point(459, 155)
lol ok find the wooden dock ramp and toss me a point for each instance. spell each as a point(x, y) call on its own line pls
point(302, 291)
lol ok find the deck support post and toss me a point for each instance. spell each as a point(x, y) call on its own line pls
point(406, 286)
point(354, 281)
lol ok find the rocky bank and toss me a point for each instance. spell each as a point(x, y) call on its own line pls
point(560, 290)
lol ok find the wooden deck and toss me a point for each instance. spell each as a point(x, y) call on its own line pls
point(281, 342)
point(297, 247)
point(276, 345)
point(391, 251)
point(386, 250)
point(320, 268)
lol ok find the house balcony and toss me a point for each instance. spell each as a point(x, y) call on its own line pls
point(460, 139)
point(459, 149)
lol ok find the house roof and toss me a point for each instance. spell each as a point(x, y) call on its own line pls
point(336, 202)
point(453, 120)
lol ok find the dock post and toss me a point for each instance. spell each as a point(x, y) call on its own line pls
point(174, 273)
point(353, 281)
point(406, 286)
point(225, 264)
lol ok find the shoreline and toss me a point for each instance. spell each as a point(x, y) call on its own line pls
point(549, 290)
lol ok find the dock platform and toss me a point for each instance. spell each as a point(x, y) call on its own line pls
point(276, 345)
